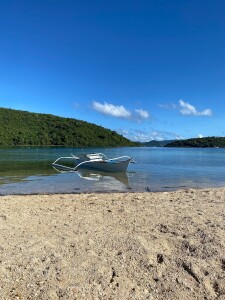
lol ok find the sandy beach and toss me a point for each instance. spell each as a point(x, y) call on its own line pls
point(165, 245)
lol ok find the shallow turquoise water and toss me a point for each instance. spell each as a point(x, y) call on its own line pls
point(25, 170)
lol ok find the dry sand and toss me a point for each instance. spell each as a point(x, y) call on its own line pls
point(168, 245)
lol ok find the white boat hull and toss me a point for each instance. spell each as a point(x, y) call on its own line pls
point(106, 166)
point(97, 161)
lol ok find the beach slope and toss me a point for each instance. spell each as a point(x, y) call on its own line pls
point(166, 245)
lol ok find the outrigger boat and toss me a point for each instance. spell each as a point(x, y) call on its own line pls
point(96, 161)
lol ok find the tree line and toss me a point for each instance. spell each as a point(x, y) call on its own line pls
point(205, 142)
point(26, 128)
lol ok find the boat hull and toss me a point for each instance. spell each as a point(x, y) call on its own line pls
point(94, 161)
point(106, 166)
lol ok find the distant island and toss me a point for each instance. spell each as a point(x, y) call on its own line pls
point(206, 142)
point(155, 143)
point(19, 128)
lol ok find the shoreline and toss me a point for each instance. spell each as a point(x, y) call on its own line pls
point(132, 245)
point(129, 191)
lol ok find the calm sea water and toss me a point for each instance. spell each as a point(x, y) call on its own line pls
point(25, 170)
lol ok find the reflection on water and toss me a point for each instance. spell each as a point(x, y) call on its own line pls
point(27, 170)
point(31, 177)
point(97, 175)
point(15, 171)
point(67, 182)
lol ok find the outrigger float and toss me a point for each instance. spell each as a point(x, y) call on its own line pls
point(96, 161)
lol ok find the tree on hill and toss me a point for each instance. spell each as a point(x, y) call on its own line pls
point(25, 128)
point(206, 142)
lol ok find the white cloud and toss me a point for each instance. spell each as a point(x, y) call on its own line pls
point(109, 109)
point(188, 109)
point(146, 136)
point(200, 136)
point(164, 135)
point(123, 132)
point(120, 111)
point(143, 114)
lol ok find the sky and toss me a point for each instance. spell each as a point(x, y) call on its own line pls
point(147, 69)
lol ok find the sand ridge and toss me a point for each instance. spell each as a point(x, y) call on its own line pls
point(165, 245)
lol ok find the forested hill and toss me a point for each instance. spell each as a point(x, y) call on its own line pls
point(155, 143)
point(200, 142)
point(25, 128)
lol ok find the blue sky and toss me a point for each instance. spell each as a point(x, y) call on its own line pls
point(147, 69)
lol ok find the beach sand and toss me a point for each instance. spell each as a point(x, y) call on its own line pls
point(164, 245)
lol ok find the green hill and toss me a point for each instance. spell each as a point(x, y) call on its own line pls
point(25, 128)
point(155, 143)
point(200, 142)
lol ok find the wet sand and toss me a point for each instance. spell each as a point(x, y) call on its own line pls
point(166, 245)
